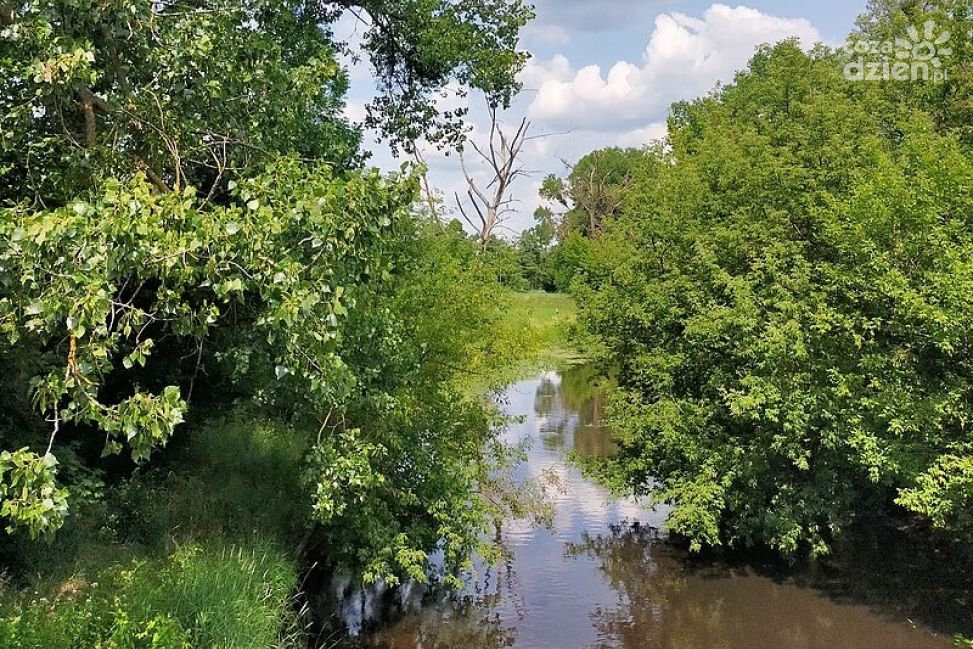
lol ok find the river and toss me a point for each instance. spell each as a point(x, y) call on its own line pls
point(603, 576)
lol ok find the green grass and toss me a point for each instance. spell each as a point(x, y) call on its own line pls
point(546, 313)
point(238, 477)
point(198, 553)
point(195, 597)
point(536, 332)
point(548, 318)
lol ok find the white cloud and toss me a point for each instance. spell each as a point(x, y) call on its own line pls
point(536, 73)
point(684, 58)
point(622, 104)
point(641, 136)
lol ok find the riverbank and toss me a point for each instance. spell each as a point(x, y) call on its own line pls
point(199, 552)
point(203, 550)
point(604, 574)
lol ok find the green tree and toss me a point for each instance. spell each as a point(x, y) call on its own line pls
point(950, 102)
point(592, 195)
point(786, 296)
point(191, 93)
point(534, 250)
point(593, 190)
point(182, 198)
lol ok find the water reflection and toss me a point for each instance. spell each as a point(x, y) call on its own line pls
point(570, 407)
point(603, 578)
point(667, 601)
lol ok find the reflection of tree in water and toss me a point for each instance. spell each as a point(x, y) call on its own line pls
point(557, 419)
point(914, 575)
point(470, 621)
point(583, 393)
point(666, 601)
point(465, 626)
point(629, 567)
point(573, 408)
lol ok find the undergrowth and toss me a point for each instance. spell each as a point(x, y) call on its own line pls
point(201, 555)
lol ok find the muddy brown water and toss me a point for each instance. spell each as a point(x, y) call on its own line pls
point(604, 576)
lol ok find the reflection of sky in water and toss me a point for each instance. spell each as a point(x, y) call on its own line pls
point(553, 428)
point(595, 580)
point(554, 415)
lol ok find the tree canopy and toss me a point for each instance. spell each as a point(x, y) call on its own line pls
point(786, 295)
point(593, 190)
point(187, 220)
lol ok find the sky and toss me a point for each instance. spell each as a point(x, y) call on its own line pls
point(604, 73)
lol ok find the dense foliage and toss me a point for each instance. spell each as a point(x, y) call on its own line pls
point(186, 223)
point(579, 208)
point(787, 296)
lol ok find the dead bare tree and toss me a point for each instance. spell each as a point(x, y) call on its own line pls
point(490, 203)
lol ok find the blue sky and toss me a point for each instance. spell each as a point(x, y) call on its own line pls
point(605, 72)
point(607, 31)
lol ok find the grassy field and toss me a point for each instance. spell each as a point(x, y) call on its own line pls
point(535, 333)
point(547, 320)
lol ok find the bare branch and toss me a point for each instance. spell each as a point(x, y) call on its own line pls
point(501, 154)
point(544, 136)
point(462, 211)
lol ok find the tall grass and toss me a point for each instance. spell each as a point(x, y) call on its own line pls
point(199, 553)
point(196, 597)
point(237, 477)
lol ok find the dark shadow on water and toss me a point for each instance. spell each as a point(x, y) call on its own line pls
point(880, 587)
point(904, 575)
